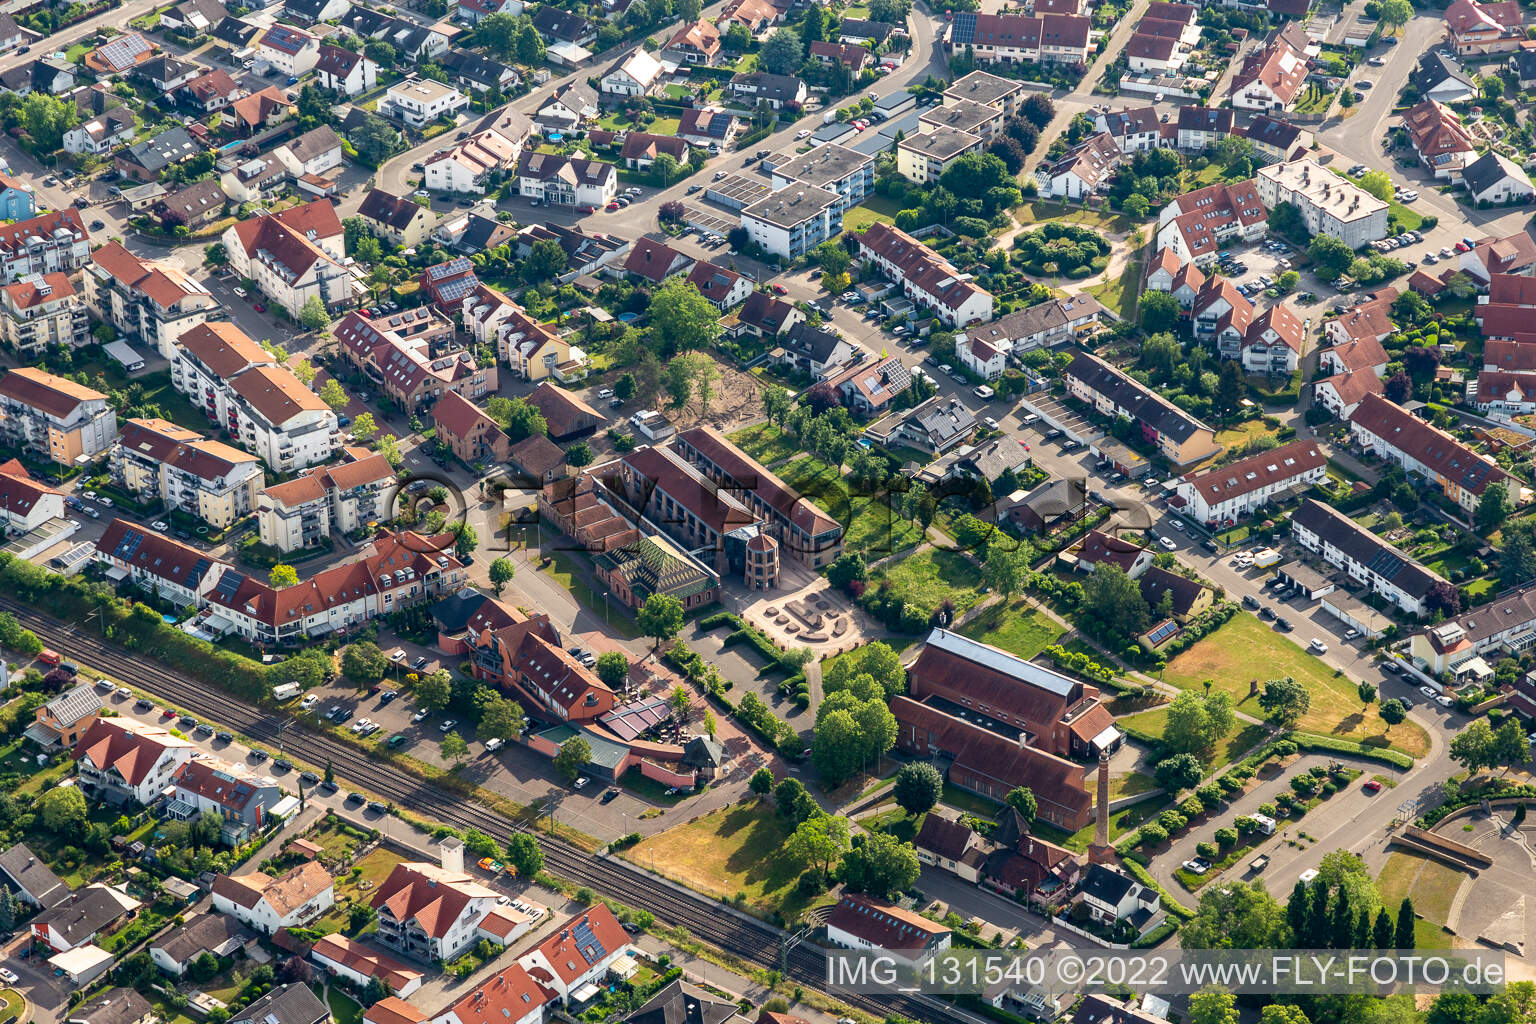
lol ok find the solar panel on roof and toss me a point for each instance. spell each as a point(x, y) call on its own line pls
point(128, 545)
point(1162, 632)
point(965, 28)
point(457, 289)
point(453, 266)
point(122, 50)
point(228, 584)
point(590, 948)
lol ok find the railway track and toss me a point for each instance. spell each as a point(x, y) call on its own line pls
point(753, 941)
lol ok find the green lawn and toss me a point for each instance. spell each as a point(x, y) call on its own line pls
point(344, 1009)
point(737, 849)
point(1407, 219)
point(1121, 294)
point(931, 575)
point(1230, 749)
point(566, 572)
point(157, 389)
point(1432, 887)
point(871, 528)
point(766, 443)
point(1246, 649)
point(1017, 628)
point(1038, 211)
point(874, 208)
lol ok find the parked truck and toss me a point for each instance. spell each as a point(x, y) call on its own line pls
point(287, 691)
point(1265, 558)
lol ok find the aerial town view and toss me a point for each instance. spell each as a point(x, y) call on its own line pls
point(654, 511)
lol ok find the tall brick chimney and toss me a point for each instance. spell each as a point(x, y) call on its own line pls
point(1100, 852)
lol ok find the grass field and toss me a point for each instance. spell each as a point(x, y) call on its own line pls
point(1242, 434)
point(725, 852)
point(870, 526)
point(344, 1009)
point(1230, 749)
point(928, 577)
point(565, 571)
point(875, 209)
point(1017, 628)
point(1430, 884)
point(1039, 211)
point(1121, 294)
point(1246, 649)
point(766, 443)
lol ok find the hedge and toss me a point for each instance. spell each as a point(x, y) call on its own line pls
point(1173, 906)
point(1333, 745)
point(1156, 935)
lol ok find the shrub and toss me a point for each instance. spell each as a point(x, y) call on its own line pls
point(1226, 837)
point(1172, 821)
point(1151, 834)
point(1192, 807)
point(1209, 794)
point(1207, 850)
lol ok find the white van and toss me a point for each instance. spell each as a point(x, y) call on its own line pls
point(493, 744)
point(1030, 420)
point(287, 691)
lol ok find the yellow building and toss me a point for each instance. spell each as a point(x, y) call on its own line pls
point(206, 479)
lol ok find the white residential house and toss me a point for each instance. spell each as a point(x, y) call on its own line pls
point(1365, 557)
point(433, 911)
point(980, 357)
point(635, 75)
point(1228, 493)
point(1111, 895)
point(290, 50)
point(864, 923)
point(102, 133)
point(420, 101)
point(316, 152)
point(345, 72)
point(123, 758)
point(266, 903)
point(579, 953)
point(294, 254)
point(924, 276)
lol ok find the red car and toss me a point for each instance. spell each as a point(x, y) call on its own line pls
point(167, 713)
point(612, 207)
point(259, 308)
point(1372, 787)
point(779, 289)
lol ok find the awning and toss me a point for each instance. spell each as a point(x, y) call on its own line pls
point(117, 572)
point(284, 807)
point(586, 993)
point(41, 734)
point(1108, 738)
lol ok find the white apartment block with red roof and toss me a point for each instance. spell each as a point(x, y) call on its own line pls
point(433, 911)
point(152, 301)
point(924, 276)
point(49, 242)
point(1197, 225)
point(298, 513)
point(294, 255)
point(241, 389)
point(864, 923)
point(1270, 78)
point(122, 758)
point(510, 996)
point(1239, 489)
point(1396, 435)
point(579, 953)
point(1479, 28)
point(40, 311)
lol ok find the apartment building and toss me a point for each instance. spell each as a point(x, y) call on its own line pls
point(924, 156)
point(1366, 558)
point(178, 572)
point(1021, 39)
point(42, 310)
point(294, 255)
point(241, 798)
point(399, 220)
point(327, 500)
point(1480, 29)
point(831, 167)
point(433, 911)
point(1271, 77)
point(1395, 434)
point(531, 350)
point(924, 276)
point(792, 222)
point(345, 72)
point(1134, 129)
point(1180, 437)
point(145, 299)
point(395, 571)
point(1002, 94)
point(54, 242)
point(157, 460)
point(414, 356)
point(1227, 493)
point(53, 418)
point(123, 758)
point(1197, 225)
point(1458, 646)
point(1329, 204)
point(473, 436)
point(566, 181)
point(420, 101)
